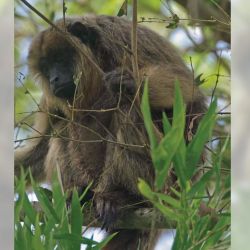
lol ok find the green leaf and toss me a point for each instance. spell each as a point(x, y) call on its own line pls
point(196, 146)
point(154, 197)
point(123, 10)
point(218, 163)
point(167, 212)
point(57, 191)
point(22, 237)
point(59, 205)
point(86, 190)
point(202, 226)
point(105, 241)
point(20, 242)
point(29, 210)
point(76, 216)
point(181, 238)
point(45, 202)
point(163, 154)
point(217, 232)
point(177, 193)
point(180, 166)
point(198, 81)
point(166, 124)
point(20, 190)
point(74, 238)
point(168, 199)
point(145, 190)
point(227, 182)
point(200, 185)
point(59, 200)
point(179, 158)
point(36, 240)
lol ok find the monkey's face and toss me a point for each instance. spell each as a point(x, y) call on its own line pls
point(54, 58)
point(57, 67)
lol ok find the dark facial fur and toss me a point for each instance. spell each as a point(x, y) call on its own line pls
point(56, 66)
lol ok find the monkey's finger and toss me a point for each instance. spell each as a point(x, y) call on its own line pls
point(100, 208)
point(111, 214)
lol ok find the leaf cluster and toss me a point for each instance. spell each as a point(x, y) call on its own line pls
point(196, 228)
point(58, 225)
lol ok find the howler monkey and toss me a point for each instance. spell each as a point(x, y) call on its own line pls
point(96, 133)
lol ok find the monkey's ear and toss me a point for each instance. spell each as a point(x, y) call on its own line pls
point(88, 35)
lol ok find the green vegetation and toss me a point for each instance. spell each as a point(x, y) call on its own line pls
point(54, 224)
point(201, 211)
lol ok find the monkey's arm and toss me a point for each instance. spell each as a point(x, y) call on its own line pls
point(161, 80)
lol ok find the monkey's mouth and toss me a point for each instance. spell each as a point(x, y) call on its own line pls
point(65, 91)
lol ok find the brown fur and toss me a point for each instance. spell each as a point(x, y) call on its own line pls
point(85, 148)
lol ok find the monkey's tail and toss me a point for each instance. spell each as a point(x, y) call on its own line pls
point(133, 240)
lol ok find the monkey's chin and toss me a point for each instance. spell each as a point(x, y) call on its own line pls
point(66, 91)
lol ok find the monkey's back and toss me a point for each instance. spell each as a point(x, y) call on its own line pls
point(115, 39)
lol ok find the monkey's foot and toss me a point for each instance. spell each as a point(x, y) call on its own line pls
point(109, 207)
point(120, 81)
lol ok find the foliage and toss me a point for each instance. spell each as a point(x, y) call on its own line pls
point(187, 202)
point(56, 226)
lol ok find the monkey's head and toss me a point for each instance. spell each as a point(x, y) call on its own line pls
point(62, 68)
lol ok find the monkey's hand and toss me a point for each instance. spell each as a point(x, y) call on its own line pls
point(120, 81)
point(110, 207)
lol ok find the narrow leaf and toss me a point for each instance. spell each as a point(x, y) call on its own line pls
point(199, 186)
point(196, 146)
point(76, 215)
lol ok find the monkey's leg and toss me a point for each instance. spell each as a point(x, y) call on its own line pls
point(125, 162)
point(117, 192)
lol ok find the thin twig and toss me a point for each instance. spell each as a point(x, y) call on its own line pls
point(135, 55)
point(170, 19)
point(217, 79)
point(64, 12)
